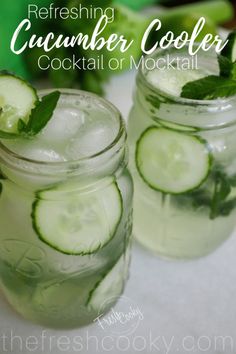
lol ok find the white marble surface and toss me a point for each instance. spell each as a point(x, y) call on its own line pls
point(185, 307)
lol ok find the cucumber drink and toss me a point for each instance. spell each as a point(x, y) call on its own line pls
point(183, 159)
point(66, 210)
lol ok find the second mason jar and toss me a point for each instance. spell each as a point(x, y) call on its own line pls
point(183, 160)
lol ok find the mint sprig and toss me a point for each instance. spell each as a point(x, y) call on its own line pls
point(222, 189)
point(40, 115)
point(208, 88)
point(217, 199)
point(227, 68)
point(212, 86)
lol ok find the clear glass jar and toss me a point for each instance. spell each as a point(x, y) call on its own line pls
point(194, 222)
point(89, 202)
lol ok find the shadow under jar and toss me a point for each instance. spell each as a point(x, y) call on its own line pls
point(183, 161)
point(66, 214)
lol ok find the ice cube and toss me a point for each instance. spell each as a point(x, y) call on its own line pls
point(93, 138)
point(64, 124)
point(33, 149)
point(44, 154)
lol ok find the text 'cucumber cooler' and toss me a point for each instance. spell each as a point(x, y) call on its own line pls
point(65, 220)
point(183, 160)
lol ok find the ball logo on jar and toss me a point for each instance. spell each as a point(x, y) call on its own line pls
point(23, 257)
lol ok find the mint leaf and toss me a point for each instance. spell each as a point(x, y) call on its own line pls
point(222, 189)
point(229, 51)
point(233, 71)
point(225, 66)
point(217, 199)
point(210, 87)
point(21, 126)
point(213, 87)
point(40, 114)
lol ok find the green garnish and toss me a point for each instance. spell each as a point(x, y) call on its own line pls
point(227, 68)
point(222, 189)
point(217, 199)
point(40, 115)
point(213, 87)
point(208, 88)
point(22, 113)
point(229, 50)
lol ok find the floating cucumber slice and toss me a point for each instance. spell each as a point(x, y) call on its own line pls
point(80, 223)
point(110, 287)
point(230, 49)
point(172, 162)
point(172, 80)
point(17, 98)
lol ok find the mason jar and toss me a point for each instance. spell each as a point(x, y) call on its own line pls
point(65, 226)
point(183, 161)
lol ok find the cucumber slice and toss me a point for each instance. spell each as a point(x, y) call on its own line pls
point(110, 287)
point(230, 49)
point(172, 80)
point(80, 223)
point(172, 162)
point(17, 98)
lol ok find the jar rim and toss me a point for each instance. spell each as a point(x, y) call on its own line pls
point(219, 102)
point(64, 165)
